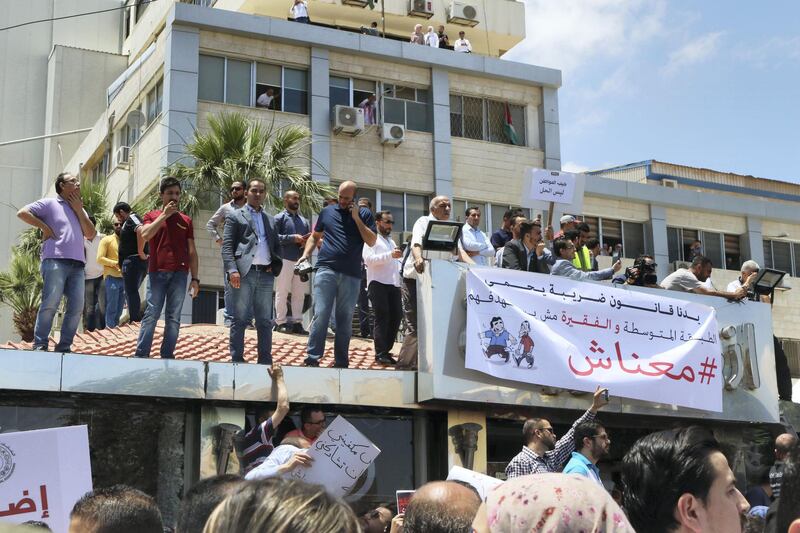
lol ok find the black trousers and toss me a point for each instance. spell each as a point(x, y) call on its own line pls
point(387, 307)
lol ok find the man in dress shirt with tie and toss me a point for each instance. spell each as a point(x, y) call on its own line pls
point(383, 287)
point(252, 259)
point(293, 232)
point(473, 240)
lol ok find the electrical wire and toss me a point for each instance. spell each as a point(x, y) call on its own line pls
point(75, 15)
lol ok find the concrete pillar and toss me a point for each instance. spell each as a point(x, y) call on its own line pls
point(456, 417)
point(442, 174)
point(320, 116)
point(658, 236)
point(549, 133)
point(753, 242)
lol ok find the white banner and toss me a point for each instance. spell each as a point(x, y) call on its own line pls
point(551, 330)
point(341, 454)
point(42, 474)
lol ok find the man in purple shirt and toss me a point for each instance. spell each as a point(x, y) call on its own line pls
point(64, 225)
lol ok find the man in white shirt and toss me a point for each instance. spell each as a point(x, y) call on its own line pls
point(693, 279)
point(369, 107)
point(747, 274)
point(462, 44)
point(283, 459)
point(299, 11)
point(94, 298)
point(475, 242)
point(266, 98)
point(383, 287)
point(431, 38)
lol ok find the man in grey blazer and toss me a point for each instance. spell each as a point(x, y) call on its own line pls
point(251, 254)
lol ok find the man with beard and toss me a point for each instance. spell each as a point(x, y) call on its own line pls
point(593, 444)
point(293, 232)
point(108, 256)
point(542, 453)
point(215, 227)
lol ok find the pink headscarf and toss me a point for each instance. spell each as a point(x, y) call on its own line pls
point(554, 503)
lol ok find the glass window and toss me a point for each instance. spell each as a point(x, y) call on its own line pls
point(405, 93)
point(733, 258)
point(393, 201)
point(457, 213)
point(394, 111)
point(712, 248)
point(417, 116)
point(361, 90)
point(237, 83)
point(370, 194)
point(782, 256)
point(295, 91)
point(634, 239)
point(612, 232)
point(473, 118)
point(497, 216)
point(416, 206)
point(796, 248)
point(674, 244)
point(456, 116)
point(487, 120)
point(518, 121)
point(155, 99)
point(268, 86)
point(768, 254)
point(339, 91)
point(211, 78)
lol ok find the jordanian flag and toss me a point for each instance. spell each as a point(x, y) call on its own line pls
point(508, 127)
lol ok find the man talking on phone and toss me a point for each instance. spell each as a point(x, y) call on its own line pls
point(172, 256)
point(346, 228)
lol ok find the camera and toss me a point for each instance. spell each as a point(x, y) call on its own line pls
point(303, 269)
point(642, 273)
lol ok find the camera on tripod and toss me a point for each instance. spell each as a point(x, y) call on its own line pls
point(642, 273)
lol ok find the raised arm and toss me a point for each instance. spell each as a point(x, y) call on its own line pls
point(282, 409)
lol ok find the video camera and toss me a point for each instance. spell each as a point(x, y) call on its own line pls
point(642, 273)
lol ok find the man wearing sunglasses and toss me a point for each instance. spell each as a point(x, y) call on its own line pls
point(215, 227)
point(108, 256)
point(542, 453)
point(592, 443)
point(312, 424)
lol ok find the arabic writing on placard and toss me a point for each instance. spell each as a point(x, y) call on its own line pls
point(553, 186)
point(559, 332)
point(26, 504)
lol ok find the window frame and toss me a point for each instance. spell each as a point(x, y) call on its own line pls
point(485, 120)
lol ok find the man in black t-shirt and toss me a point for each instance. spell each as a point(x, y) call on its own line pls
point(132, 258)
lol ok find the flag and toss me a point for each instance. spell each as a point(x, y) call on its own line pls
point(508, 126)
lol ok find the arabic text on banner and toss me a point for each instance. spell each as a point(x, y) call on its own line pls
point(554, 331)
point(553, 186)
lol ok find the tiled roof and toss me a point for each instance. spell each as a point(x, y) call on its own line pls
point(206, 342)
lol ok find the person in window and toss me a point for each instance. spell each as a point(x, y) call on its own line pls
point(417, 37)
point(266, 99)
point(431, 39)
point(462, 44)
point(369, 107)
point(444, 40)
point(299, 11)
point(372, 30)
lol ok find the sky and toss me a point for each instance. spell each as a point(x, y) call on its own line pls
point(711, 83)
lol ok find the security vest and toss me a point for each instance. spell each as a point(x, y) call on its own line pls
point(583, 259)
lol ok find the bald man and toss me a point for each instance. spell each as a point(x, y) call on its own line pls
point(783, 445)
point(443, 507)
point(346, 228)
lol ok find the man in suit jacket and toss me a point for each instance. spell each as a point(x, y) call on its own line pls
point(529, 252)
point(251, 254)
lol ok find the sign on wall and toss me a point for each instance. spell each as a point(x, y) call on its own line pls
point(551, 330)
point(42, 474)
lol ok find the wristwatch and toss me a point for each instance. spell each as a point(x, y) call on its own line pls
point(197, 280)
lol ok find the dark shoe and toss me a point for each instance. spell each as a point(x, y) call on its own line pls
point(310, 362)
point(282, 328)
point(297, 328)
point(385, 359)
point(337, 365)
point(39, 348)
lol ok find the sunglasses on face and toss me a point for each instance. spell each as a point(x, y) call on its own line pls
point(236, 188)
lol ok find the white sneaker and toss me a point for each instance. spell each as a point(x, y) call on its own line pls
point(330, 334)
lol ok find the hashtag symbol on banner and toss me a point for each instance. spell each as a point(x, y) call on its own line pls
point(596, 348)
point(707, 371)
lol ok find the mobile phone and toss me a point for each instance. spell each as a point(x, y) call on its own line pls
point(605, 395)
point(403, 497)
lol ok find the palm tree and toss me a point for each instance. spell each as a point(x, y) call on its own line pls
point(239, 149)
point(21, 290)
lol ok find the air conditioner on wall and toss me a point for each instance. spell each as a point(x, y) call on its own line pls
point(122, 155)
point(347, 119)
point(464, 14)
point(393, 133)
point(420, 8)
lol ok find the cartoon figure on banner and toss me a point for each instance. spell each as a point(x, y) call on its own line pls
point(500, 340)
point(525, 346)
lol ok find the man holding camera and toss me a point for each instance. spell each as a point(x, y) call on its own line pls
point(293, 232)
point(641, 274)
point(693, 279)
point(346, 228)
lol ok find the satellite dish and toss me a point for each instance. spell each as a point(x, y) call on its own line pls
point(135, 119)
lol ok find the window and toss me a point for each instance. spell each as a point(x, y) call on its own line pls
point(393, 201)
point(237, 82)
point(713, 248)
point(340, 91)
point(361, 90)
point(487, 120)
point(268, 86)
point(611, 233)
point(407, 106)
point(295, 91)
point(722, 249)
point(674, 248)
point(211, 78)
point(141, 7)
point(416, 206)
point(733, 258)
point(155, 99)
point(633, 242)
point(782, 256)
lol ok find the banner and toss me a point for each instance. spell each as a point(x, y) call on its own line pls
point(551, 330)
point(482, 483)
point(341, 454)
point(553, 186)
point(42, 474)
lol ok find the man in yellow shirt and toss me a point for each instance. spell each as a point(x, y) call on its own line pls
point(108, 256)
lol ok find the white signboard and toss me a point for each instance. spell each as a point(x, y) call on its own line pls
point(543, 187)
point(341, 454)
point(551, 330)
point(42, 474)
point(482, 483)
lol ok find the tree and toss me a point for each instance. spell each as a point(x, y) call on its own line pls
point(21, 290)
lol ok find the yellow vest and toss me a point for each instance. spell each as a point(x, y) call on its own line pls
point(583, 260)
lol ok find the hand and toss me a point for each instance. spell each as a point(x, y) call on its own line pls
point(616, 266)
point(397, 253)
point(74, 200)
point(298, 459)
point(47, 233)
point(548, 233)
point(219, 241)
point(170, 209)
point(397, 523)
point(235, 280)
point(599, 399)
point(194, 288)
point(540, 249)
point(298, 239)
point(143, 256)
point(276, 373)
point(419, 265)
point(739, 293)
point(355, 212)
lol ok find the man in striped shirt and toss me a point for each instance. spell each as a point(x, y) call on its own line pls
point(257, 443)
point(542, 453)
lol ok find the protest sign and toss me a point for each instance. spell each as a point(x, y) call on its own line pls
point(341, 454)
point(555, 331)
point(553, 191)
point(482, 483)
point(42, 474)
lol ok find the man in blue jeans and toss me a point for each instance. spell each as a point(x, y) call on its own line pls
point(252, 256)
point(64, 224)
point(172, 255)
point(346, 228)
point(132, 258)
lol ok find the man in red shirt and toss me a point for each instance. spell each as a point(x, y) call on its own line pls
point(172, 256)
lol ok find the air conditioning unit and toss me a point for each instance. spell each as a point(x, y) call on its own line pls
point(121, 157)
point(670, 184)
point(680, 264)
point(347, 119)
point(393, 134)
point(420, 8)
point(464, 14)
point(356, 3)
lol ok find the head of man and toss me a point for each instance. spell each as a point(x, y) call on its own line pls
point(679, 480)
point(783, 445)
point(696, 247)
point(594, 246)
point(585, 232)
point(117, 509)
point(371, 99)
point(237, 191)
point(461, 35)
point(291, 201)
point(539, 433)
point(347, 193)
point(441, 29)
point(575, 236)
point(66, 183)
point(373, 25)
point(441, 506)
point(788, 515)
point(170, 190)
point(701, 267)
point(592, 440)
point(749, 268)
point(202, 498)
point(564, 249)
point(312, 421)
point(516, 221)
point(473, 216)
point(567, 222)
point(122, 211)
point(376, 520)
point(418, 28)
point(117, 222)
point(256, 191)
point(384, 221)
point(365, 202)
point(440, 208)
point(530, 233)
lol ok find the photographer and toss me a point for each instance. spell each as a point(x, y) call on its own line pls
point(641, 274)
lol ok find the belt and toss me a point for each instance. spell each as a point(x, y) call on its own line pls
point(261, 268)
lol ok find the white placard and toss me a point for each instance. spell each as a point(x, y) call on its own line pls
point(482, 483)
point(341, 454)
point(551, 330)
point(42, 474)
point(553, 186)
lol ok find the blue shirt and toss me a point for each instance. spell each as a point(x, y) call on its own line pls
point(342, 243)
point(579, 464)
point(263, 257)
point(496, 340)
point(288, 225)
